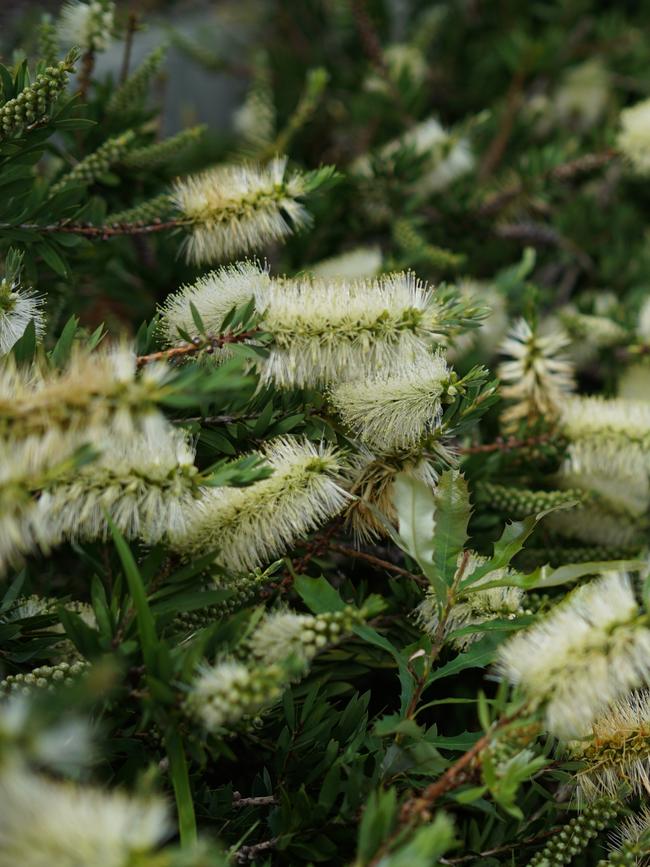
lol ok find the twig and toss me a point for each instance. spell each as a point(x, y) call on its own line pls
point(207, 344)
point(85, 72)
point(101, 232)
point(377, 561)
point(499, 144)
point(438, 640)
point(249, 853)
point(529, 841)
point(260, 801)
point(131, 27)
point(563, 172)
point(454, 776)
point(506, 445)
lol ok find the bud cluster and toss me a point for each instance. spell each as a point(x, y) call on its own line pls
point(32, 104)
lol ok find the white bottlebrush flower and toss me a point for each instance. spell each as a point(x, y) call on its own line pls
point(326, 331)
point(402, 60)
point(229, 692)
point(448, 155)
point(627, 420)
point(239, 208)
point(18, 307)
point(617, 472)
point(586, 654)
point(26, 465)
point(147, 489)
point(250, 526)
point(479, 606)
point(87, 24)
point(100, 390)
point(395, 410)
point(634, 137)
point(537, 375)
point(45, 823)
point(65, 745)
point(597, 525)
point(357, 264)
point(582, 97)
point(213, 296)
point(284, 634)
point(617, 750)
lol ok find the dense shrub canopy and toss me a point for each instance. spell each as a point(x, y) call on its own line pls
point(325, 438)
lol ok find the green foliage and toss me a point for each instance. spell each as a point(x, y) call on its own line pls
point(315, 641)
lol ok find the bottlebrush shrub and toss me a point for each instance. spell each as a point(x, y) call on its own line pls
point(325, 444)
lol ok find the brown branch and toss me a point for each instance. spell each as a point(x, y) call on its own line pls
point(377, 561)
point(528, 841)
point(250, 853)
point(131, 27)
point(207, 344)
point(498, 146)
point(563, 172)
point(261, 801)
point(506, 445)
point(86, 72)
point(454, 776)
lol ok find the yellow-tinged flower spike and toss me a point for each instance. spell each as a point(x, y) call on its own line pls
point(102, 389)
point(480, 606)
point(586, 654)
point(45, 823)
point(239, 208)
point(360, 263)
point(599, 525)
point(538, 377)
point(26, 466)
point(325, 331)
point(634, 137)
point(604, 417)
point(285, 634)
point(248, 527)
point(87, 24)
point(213, 295)
point(617, 471)
point(617, 751)
point(394, 410)
point(372, 480)
point(229, 693)
point(145, 487)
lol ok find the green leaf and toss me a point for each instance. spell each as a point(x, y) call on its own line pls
point(196, 316)
point(511, 542)
point(24, 348)
point(63, 347)
point(416, 512)
point(452, 516)
point(146, 625)
point(53, 259)
point(318, 594)
point(181, 784)
point(376, 823)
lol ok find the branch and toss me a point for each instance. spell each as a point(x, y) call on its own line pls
point(207, 344)
point(506, 445)
point(250, 853)
point(377, 561)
